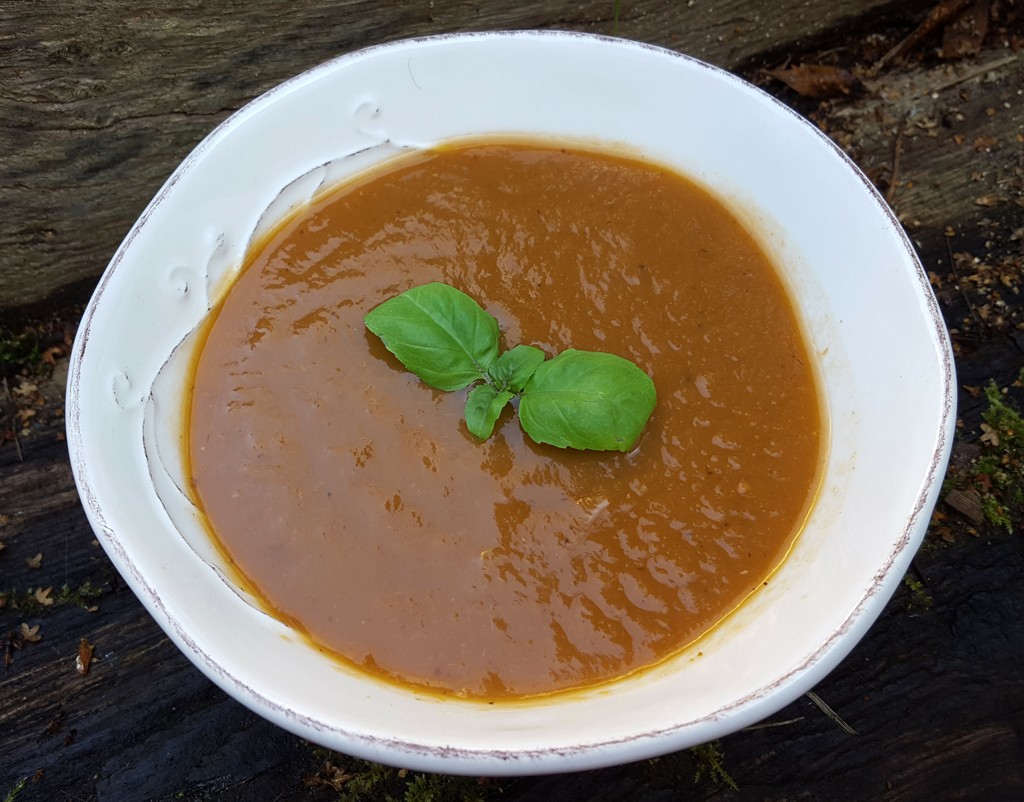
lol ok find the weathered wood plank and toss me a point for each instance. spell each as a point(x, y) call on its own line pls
point(946, 143)
point(102, 100)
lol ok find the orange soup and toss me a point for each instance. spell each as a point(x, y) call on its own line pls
point(354, 502)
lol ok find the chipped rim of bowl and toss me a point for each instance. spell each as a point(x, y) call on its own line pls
point(599, 751)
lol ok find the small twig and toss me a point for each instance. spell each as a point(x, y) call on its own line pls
point(832, 714)
point(970, 75)
point(897, 152)
point(960, 286)
point(14, 426)
point(975, 73)
point(769, 724)
point(938, 15)
point(70, 796)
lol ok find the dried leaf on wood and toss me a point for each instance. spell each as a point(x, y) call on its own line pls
point(43, 596)
point(329, 775)
point(49, 356)
point(819, 81)
point(35, 562)
point(84, 659)
point(964, 34)
point(25, 388)
point(30, 634)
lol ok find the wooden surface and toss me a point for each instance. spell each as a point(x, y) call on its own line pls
point(100, 101)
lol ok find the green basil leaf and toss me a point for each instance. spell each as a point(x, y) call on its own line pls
point(439, 333)
point(587, 400)
point(511, 370)
point(483, 406)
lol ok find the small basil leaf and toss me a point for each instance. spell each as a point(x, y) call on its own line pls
point(483, 406)
point(511, 370)
point(439, 333)
point(587, 400)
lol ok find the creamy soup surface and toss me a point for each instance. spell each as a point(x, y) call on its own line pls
point(356, 505)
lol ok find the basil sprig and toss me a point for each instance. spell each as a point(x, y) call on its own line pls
point(579, 399)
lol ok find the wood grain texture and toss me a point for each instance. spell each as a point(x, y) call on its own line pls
point(955, 132)
point(102, 100)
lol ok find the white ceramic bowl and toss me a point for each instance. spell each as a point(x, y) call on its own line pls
point(865, 301)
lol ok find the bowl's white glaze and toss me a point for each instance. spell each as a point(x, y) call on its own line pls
point(869, 314)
